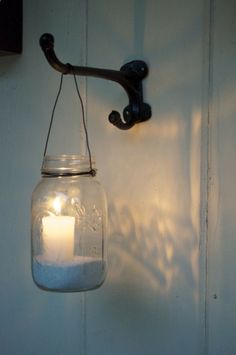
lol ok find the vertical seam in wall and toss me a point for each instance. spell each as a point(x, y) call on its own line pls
point(84, 79)
point(86, 59)
point(86, 120)
point(84, 345)
point(209, 112)
point(206, 164)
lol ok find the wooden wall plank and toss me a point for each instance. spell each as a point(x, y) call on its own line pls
point(34, 321)
point(222, 198)
point(150, 301)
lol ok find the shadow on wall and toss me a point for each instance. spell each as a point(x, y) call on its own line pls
point(152, 174)
point(160, 252)
point(154, 226)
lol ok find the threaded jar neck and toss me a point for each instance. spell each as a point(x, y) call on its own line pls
point(66, 165)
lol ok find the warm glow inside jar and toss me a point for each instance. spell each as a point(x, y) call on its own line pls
point(68, 227)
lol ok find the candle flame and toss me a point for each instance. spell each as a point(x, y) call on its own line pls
point(57, 205)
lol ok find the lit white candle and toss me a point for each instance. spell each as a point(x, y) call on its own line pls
point(58, 238)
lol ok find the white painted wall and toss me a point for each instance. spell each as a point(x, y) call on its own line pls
point(221, 316)
point(32, 321)
point(170, 287)
point(150, 302)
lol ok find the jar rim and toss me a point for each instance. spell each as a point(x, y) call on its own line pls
point(66, 156)
point(66, 164)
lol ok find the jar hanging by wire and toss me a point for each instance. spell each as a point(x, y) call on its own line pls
point(68, 230)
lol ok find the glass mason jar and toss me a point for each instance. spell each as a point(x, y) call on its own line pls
point(68, 226)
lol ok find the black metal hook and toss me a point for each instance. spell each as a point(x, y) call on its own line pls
point(130, 77)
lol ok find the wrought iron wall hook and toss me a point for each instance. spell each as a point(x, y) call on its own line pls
point(130, 77)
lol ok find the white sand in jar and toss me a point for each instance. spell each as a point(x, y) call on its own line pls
point(79, 274)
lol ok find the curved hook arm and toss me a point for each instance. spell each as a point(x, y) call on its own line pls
point(130, 77)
